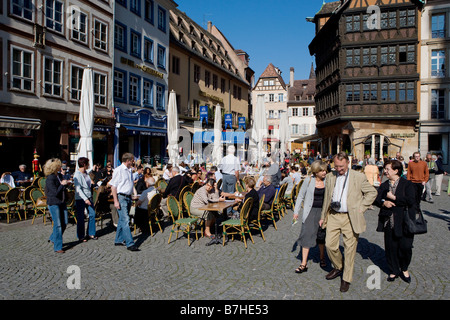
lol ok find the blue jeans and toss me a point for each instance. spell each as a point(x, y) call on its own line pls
point(81, 205)
point(123, 232)
point(59, 216)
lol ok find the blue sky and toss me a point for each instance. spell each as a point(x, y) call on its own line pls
point(270, 31)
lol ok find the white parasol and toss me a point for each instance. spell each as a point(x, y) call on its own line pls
point(172, 129)
point(86, 118)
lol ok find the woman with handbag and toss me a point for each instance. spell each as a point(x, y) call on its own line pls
point(311, 196)
point(83, 200)
point(55, 186)
point(396, 197)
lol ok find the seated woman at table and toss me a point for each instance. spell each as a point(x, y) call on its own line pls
point(204, 195)
point(251, 193)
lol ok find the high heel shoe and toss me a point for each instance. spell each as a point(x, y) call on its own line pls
point(404, 278)
point(301, 268)
point(391, 279)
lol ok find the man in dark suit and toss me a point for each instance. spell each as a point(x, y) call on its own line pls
point(174, 187)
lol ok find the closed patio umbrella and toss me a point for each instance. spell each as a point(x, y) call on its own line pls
point(284, 134)
point(172, 129)
point(86, 118)
point(259, 130)
point(217, 151)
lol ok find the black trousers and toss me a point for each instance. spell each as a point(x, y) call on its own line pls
point(419, 190)
point(398, 251)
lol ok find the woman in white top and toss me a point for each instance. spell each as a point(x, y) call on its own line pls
point(83, 200)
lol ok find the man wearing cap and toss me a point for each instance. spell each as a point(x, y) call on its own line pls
point(230, 167)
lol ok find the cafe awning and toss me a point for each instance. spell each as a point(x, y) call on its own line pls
point(238, 137)
point(20, 123)
point(135, 130)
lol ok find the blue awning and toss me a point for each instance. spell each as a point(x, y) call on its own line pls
point(227, 137)
point(145, 131)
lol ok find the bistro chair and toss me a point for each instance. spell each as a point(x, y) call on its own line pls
point(26, 202)
point(239, 226)
point(4, 188)
point(70, 204)
point(290, 200)
point(195, 186)
point(161, 184)
point(180, 224)
point(39, 207)
point(255, 224)
point(219, 184)
point(41, 184)
point(280, 201)
point(187, 198)
point(153, 211)
point(239, 187)
point(180, 199)
point(11, 204)
point(269, 214)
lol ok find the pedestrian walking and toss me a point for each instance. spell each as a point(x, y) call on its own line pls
point(84, 200)
point(55, 187)
point(310, 198)
point(431, 164)
point(122, 189)
point(348, 195)
point(439, 175)
point(395, 195)
point(418, 175)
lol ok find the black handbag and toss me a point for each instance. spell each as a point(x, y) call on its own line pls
point(417, 225)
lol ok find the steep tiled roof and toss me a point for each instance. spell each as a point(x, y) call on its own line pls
point(271, 72)
point(328, 8)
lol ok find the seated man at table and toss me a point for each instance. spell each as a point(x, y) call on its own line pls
point(141, 213)
point(251, 193)
point(204, 195)
point(174, 187)
point(268, 190)
point(21, 176)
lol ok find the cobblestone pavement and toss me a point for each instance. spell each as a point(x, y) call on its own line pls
point(264, 271)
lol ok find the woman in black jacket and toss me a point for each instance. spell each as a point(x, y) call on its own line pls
point(55, 186)
point(394, 196)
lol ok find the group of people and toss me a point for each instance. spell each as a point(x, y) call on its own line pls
point(333, 204)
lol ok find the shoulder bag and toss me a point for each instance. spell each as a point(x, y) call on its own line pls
point(417, 225)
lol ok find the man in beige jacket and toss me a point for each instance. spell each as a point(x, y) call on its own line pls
point(348, 194)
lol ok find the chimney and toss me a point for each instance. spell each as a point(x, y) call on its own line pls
point(209, 26)
point(291, 80)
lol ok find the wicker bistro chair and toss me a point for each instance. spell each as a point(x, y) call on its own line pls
point(239, 188)
point(4, 188)
point(255, 224)
point(180, 199)
point(41, 183)
point(239, 226)
point(195, 186)
point(180, 224)
point(26, 201)
point(154, 205)
point(70, 204)
point(269, 214)
point(12, 203)
point(187, 198)
point(281, 201)
point(290, 200)
point(39, 208)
